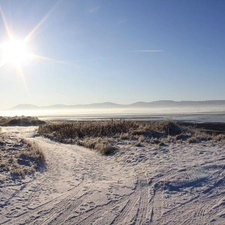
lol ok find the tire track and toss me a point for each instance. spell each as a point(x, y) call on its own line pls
point(143, 203)
point(127, 209)
point(63, 210)
point(48, 208)
point(91, 215)
point(65, 203)
point(113, 207)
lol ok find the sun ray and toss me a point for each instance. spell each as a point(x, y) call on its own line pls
point(5, 24)
point(19, 67)
point(71, 63)
point(2, 63)
point(41, 22)
point(52, 60)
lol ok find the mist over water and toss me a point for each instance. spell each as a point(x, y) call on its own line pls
point(181, 114)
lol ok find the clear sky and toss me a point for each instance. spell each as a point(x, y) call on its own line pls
point(120, 51)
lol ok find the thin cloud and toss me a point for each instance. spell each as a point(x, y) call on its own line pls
point(148, 50)
point(94, 9)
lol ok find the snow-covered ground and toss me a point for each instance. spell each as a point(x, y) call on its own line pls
point(171, 184)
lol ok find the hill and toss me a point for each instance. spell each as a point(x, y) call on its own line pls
point(154, 104)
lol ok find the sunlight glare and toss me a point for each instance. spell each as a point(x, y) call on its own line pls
point(14, 51)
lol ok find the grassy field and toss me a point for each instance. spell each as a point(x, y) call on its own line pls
point(104, 135)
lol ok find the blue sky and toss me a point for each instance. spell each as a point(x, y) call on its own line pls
point(120, 51)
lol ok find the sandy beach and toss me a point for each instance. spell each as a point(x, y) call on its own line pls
point(172, 184)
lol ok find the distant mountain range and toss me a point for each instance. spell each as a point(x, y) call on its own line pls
point(105, 105)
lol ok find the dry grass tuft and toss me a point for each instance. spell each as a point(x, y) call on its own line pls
point(124, 136)
point(219, 138)
point(20, 157)
point(102, 145)
point(105, 148)
point(33, 153)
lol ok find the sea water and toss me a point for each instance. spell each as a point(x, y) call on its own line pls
point(195, 117)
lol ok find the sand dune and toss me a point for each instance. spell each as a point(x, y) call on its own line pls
point(173, 184)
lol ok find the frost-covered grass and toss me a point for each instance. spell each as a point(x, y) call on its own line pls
point(19, 157)
point(105, 135)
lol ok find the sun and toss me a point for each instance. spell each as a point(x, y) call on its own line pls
point(14, 52)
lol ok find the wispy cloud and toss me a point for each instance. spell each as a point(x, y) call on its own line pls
point(94, 9)
point(147, 50)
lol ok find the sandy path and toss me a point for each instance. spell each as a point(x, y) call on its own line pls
point(76, 184)
point(176, 184)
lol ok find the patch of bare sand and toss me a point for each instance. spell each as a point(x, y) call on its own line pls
point(171, 184)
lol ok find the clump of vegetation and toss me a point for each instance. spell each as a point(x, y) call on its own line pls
point(104, 135)
point(112, 128)
point(99, 135)
point(20, 121)
point(95, 135)
point(20, 157)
